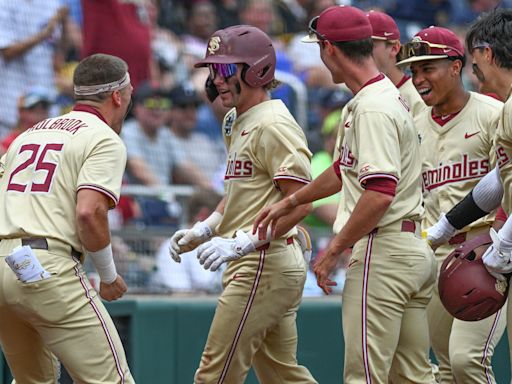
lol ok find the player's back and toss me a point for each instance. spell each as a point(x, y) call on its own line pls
point(46, 166)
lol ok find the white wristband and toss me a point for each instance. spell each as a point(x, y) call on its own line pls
point(255, 239)
point(103, 260)
point(212, 221)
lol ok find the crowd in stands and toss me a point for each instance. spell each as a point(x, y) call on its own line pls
point(173, 135)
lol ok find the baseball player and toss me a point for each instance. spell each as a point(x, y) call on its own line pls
point(59, 178)
point(489, 41)
point(391, 271)
point(386, 50)
point(457, 130)
point(268, 159)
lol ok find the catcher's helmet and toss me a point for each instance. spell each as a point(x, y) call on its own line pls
point(466, 289)
point(243, 44)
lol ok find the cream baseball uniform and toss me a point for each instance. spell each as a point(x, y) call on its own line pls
point(254, 322)
point(503, 151)
point(455, 156)
point(411, 95)
point(391, 272)
point(45, 167)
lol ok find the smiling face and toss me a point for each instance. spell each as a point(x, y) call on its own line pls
point(435, 79)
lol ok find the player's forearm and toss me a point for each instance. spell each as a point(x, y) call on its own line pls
point(326, 184)
point(367, 213)
point(287, 222)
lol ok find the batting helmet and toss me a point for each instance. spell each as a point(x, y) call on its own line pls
point(466, 289)
point(243, 44)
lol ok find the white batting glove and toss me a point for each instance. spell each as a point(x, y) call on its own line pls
point(219, 250)
point(304, 241)
point(497, 257)
point(186, 240)
point(440, 232)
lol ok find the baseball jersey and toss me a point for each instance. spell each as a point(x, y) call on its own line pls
point(456, 155)
point(503, 148)
point(380, 141)
point(265, 144)
point(48, 164)
point(411, 95)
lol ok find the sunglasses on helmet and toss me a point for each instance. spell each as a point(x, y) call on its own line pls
point(312, 31)
point(417, 48)
point(223, 70)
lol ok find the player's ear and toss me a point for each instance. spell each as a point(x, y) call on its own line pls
point(116, 98)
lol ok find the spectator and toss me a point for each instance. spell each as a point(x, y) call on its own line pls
point(189, 275)
point(30, 34)
point(202, 21)
point(120, 28)
point(33, 107)
point(153, 154)
point(196, 147)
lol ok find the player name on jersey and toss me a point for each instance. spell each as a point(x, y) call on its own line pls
point(465, 169)
point(70, 125)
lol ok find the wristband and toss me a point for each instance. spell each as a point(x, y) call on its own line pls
point(212, 221)
point(103, 260)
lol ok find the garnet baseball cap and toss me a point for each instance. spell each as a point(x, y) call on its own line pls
point(431, 43)
point(339, 23)
point(383, 26)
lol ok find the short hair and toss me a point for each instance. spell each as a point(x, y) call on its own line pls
point(357, 50)
point(98, 69)
point(495, 29)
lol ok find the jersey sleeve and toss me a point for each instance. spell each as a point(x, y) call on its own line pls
point(378, 148)
point(103, 169)
point(2, 165)
point(284, 153)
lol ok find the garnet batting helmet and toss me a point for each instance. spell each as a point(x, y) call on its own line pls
point(246, 45)
point(466, 289)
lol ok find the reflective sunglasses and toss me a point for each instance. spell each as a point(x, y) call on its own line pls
point(157, 103)
point(312, 31)
point(423, 48)
point(223, 70)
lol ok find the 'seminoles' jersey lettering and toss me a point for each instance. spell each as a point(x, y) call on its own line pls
point(454, 172)
point(42, 165)
point(238, 168)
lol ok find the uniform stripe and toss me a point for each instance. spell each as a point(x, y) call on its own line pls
point(98, 188)
point(103, 325)
point(366, 274)
point(244, 318)
point(488, 375)
point(295, 178)
point(379, 176)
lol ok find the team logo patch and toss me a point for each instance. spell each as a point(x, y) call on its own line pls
point(214, 45)
point(229, 120)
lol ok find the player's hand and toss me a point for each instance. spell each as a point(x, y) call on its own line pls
point(185, 240)
point(439, 233)
point(113, 291)
point(218, 250)
point(325, 265)
point(269, 215)
point(304, 241)
point(497, 257)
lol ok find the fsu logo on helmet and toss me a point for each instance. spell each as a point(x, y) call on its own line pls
point(214, 45)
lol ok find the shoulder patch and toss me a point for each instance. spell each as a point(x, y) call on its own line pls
point(229, 120)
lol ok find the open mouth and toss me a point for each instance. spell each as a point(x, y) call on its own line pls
point(424, 91)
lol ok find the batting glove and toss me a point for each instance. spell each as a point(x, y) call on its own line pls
point(440, 232)
point(304, 241)
point(497, 257)
point(219, 250)
point(186, 240)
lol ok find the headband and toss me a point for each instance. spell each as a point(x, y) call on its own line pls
point(87, 90)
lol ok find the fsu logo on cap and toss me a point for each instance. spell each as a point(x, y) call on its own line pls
point(213, 45)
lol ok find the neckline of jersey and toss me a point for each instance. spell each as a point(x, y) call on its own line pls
point(89, 109)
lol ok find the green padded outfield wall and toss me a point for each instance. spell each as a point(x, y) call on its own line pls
point(164, 338)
